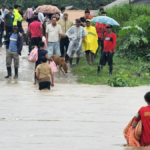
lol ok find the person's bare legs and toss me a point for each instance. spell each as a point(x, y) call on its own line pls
point(92, 58)
point(77, 59)
point(87, 57)
point(71, 59)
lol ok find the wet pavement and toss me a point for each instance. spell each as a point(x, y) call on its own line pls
point(69, 117)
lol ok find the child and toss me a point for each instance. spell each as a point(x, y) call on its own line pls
point(144, 115)
point(44, 74)
point(41, 52)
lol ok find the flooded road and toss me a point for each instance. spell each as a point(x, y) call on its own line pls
point(69, 117)
point(26, 69)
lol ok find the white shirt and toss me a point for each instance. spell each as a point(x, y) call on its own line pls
point(41, 17)
point(53, 32)
point(47, 20)
point(6, 11)
point(61, 15)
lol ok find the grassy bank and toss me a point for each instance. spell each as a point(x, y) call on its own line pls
point(131, 60)
point(126, 73)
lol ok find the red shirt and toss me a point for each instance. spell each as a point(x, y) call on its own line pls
point(144, 115)
point(109, 42)
point(89, 17)
point(99, 27)
point(35, 29)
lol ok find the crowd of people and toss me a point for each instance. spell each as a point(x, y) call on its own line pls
point(63, 37)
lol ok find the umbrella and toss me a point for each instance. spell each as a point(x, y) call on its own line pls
point(105, 20)
point(48, 9)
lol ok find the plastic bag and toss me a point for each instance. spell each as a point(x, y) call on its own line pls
point(45, 43)
point(33, 55)
point(53, 66)
point(4, 32)
point(29, 13)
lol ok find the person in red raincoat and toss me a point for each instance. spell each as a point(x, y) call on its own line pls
point(99, 28)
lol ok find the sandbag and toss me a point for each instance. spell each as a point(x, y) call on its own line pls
point(133, 135)
point(138, 131)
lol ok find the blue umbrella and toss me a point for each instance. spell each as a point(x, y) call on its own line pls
point(105, 20)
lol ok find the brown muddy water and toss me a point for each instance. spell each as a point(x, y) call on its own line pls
point(69, 117)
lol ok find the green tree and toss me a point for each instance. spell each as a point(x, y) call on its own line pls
point(80, 4)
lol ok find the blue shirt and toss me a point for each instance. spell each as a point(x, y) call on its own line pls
point(13, 43)
point(40, 54)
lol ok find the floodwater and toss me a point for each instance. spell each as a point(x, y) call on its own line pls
point(69, 117)
point(26, 69)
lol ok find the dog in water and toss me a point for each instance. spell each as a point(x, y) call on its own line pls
point(59, 61)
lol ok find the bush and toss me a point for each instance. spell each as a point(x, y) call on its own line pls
point(142, 21)
point(121, 80)
point(132, 42)
point(133, 34)
point(127, 12)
